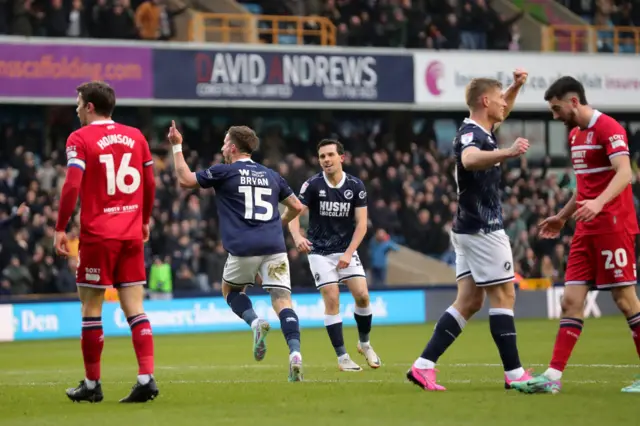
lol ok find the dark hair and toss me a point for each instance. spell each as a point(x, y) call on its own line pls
point(244, 138)
point(478, 87)
point(100, 94)
point(563, 86)
point(327, 142)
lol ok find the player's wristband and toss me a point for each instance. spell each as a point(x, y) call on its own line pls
point(177, 148)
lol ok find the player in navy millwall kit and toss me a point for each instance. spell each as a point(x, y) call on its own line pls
point(247, 197)
point(484, 262)
point(337, 205)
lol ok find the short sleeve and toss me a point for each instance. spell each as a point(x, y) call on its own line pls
point(468, 140)
point(76, 152)
point(361, 195)
point(285, 189)
point(211, 177)
point(614, 138)
point(306, 194)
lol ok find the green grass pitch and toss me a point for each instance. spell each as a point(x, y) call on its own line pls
point(212, 379)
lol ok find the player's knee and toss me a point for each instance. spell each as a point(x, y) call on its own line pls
point(280, 299)
point(91, 301)
point(361, 299)
point(626, 299)
point(572, 306)
point(502, 295)
point(331, 298)
point(131, 300)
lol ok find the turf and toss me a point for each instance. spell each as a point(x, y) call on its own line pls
point(213, 379)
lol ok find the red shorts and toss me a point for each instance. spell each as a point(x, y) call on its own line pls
point(111, 263)
point(602, 261)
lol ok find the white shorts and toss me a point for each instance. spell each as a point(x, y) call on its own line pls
point(325, 269)
point(273, 269)
point(485, 257)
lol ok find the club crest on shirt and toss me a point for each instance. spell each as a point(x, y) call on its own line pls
point(466, 139)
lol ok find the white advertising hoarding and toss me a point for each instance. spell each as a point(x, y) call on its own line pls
point(612, 82)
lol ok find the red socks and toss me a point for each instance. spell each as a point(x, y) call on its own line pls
point(142, 342)
point(92, 342)
point(568, 335)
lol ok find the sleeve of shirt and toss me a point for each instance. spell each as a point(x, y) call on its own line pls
point(285, 189)
point(361, 195)
point(614, 139)
point(306, 194)
point(211, 177)
point(76, 152)
point(469, 139)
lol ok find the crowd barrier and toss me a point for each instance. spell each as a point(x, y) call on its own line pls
point(59, 320)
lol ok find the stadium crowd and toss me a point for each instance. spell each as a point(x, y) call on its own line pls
point(114, 19)
point(411, 197)
point(443, 24)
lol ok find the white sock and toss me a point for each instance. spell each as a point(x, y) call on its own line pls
point(365, 344)
point(424, 364)
point(514, 374)
point(254, 323)
point(292, 354)
point(143, 379)
point(553, 374)
point(341, 357)
point(91, 384)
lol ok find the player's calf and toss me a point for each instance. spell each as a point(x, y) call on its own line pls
point(627, 300)
point(333, 324)
point(363, 315)
point(568, 335)
point(290, 326)
point(503, 330)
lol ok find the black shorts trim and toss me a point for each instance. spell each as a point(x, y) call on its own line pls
point(463, 275)
point(326, 284)
point(236, 284)
point(351, 276)
point(495, 282)
point(276, 286)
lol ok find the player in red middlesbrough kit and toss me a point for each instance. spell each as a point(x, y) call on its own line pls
point(602, 254)
point(109, 166)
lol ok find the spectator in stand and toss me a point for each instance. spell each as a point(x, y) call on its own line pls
point(379, 248)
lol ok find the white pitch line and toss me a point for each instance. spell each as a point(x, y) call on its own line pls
point(325, 366)
point(248, 381)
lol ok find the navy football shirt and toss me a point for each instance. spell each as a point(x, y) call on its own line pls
point(247, 197)
point(332, 211)
point(479, 206)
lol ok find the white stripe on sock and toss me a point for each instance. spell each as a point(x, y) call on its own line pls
point(332, 319)
point(363, 311)
point(501, 311)
point(458, 316)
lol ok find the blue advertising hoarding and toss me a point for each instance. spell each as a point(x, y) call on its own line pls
point(296, 76)
point(33, 321)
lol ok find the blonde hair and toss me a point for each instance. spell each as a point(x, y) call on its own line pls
point(477, 88)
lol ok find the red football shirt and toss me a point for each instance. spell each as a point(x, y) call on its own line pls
point(591, 152)
point(112, 156)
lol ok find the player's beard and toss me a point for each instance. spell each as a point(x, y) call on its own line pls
point(572, 121)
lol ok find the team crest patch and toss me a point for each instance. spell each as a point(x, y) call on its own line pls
point(466, 139)
point(348, 194)
point(317, 277)
point(362, 195)
point(304, 187)
point(507, 266)
point(277, 270)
